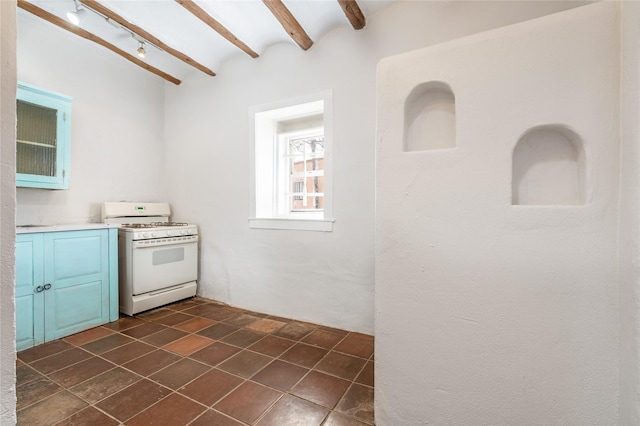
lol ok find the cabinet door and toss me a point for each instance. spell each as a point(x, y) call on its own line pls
point(29, 294)
point(77, 267)
point(42, 139)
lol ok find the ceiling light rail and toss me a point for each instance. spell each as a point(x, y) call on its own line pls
point(74, 18)
point(116, 19)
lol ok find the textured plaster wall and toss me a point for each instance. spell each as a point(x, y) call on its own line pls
point(326, 278)
point(505, 314)
point(629, 228)
point(7, 211)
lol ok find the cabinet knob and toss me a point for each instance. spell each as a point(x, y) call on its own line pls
point(47, 286)
point(39, 289)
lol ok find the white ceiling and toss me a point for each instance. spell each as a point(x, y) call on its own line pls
point(249, 20)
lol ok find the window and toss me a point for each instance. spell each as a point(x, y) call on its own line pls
point(301, 168)
point(292, 172)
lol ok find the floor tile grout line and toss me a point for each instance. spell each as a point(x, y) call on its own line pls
point(176, 391)
point(235, 375)
point(227, 321)
point(245, 380)
point(219, 399)
point(94, 403)
point(162, 399)
point(62, 368)
point(44, 357)
point(63, 388)
point(203, 413)
point(66, 339)
point(278, 357)
point(115, 365)
point(264, 413)
point(79, 383)
point(89, 406)
point(48, 375)
point(312, 368)
point(181, 387)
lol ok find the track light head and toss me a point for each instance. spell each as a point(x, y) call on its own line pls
point(141, 50)
point(74, 15)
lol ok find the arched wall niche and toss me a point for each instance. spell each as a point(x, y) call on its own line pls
point(430, 117)
point(548, 167)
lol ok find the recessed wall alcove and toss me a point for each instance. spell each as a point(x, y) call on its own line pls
point(548, 167)
point(430, 117)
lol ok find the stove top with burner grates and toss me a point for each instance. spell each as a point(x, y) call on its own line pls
point(152, 225)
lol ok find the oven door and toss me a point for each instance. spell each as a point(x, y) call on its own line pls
point(157, 266)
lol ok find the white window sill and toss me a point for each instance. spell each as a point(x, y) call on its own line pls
point(322, 225)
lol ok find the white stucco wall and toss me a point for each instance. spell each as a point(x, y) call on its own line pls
point(117, 145)
point(7, 212)
point(505, 315)
point(326, 278)
point(629, 227)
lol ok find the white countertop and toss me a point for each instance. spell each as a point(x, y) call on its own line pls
point(29, 229)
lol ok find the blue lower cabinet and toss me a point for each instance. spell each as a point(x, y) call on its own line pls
point(66, 282)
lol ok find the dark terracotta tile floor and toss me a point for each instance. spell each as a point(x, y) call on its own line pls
point(199, 363)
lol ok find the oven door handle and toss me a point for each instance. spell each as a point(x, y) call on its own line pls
point(162, 242)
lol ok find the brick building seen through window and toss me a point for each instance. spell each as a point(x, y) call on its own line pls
point(306, 177)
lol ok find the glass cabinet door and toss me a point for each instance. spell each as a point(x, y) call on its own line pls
point(42, 139)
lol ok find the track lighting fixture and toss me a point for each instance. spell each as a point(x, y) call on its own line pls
point(141, 50)
point(74, 15)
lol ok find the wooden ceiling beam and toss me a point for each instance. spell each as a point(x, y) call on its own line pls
point(289, 23)
point(98, 7)
point(354, 13)
point(31, 8)
point(201, 14)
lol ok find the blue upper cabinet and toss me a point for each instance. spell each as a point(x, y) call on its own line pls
point(43, 138)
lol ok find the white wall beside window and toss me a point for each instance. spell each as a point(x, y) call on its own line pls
point(267, 124)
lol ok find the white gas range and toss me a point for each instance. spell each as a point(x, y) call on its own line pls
point(158, 259)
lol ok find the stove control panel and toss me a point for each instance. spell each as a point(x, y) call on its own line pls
point(148, 234)
point(155, 242)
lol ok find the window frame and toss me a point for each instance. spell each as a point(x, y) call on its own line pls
point(264, 147)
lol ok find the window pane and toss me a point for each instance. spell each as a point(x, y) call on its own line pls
point(306, 173)
point(309, 203)
point(314, 203)
point(298, 190)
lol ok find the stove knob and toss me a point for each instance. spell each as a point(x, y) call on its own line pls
point(184, 232)
point(145, 235)
point(169, 233)
point(153, 235)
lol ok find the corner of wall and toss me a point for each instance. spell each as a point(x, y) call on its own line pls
point(8, 84)
point(629, 221)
